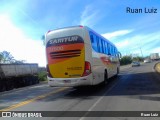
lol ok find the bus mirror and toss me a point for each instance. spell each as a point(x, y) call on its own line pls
point(119, 55)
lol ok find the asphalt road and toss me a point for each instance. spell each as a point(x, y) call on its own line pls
point(135, 89)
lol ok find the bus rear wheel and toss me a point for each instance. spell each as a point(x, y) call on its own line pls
point(105, 81)
point(117, 72)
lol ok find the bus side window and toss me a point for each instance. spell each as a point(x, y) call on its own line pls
point(115, 51)
point(92, 40)
point(98, 45)
point(112, 53)
point(106, 47)
point(112, 50)
point(102, 48)
point(109, 49)
point(104, 51)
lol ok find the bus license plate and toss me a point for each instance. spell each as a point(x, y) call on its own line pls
point(67, 81)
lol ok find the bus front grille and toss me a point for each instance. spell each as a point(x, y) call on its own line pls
point(65, 54)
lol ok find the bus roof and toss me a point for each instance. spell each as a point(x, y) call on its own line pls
point(66, 27)
point(81, 26)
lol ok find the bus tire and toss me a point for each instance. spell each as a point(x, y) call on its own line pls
point(105, 81)
point(117, 72)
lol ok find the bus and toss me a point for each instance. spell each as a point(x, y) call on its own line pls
point(78, 56)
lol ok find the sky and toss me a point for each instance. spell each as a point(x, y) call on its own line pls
point(23, 22)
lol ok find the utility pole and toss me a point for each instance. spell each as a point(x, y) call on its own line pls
point(141, 51)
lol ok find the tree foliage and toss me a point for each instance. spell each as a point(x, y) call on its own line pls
point(7, 58)
point(128, 60)
point(42, 76)
point(125, 60)
point(140, 59)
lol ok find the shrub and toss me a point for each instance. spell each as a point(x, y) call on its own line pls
point(42, 76)
point(125, 60)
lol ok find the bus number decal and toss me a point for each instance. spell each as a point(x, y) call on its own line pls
point(53, 49)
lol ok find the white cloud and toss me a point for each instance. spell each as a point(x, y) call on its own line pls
point(122, 44)
point(14, 41)
point(89, 16)
point(116, 33)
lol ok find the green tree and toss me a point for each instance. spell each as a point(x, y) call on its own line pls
point(6, 57)
point(140, 59)
point(125, 60)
